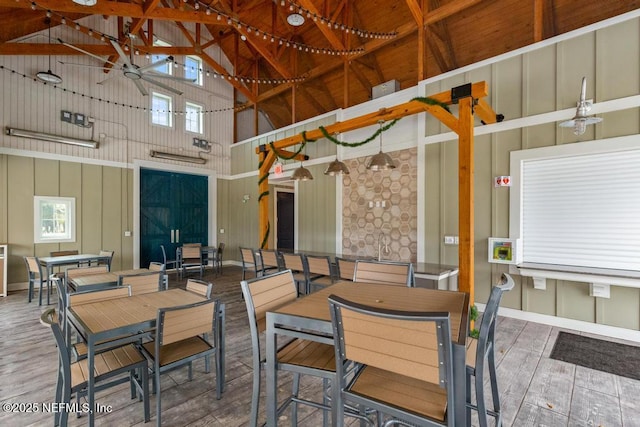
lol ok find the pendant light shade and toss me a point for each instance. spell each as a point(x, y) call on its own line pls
point(580, 121)
point(381, 161)
point(301, 174)
point(48, 76)
point(336, 168)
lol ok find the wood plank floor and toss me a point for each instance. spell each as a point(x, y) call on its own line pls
point(535, 390)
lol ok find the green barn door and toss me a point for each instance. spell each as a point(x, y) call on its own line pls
point(173, 210)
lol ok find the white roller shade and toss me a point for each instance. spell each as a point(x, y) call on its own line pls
point(582, 210)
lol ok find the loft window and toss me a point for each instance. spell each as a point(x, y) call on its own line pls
point(161, 106)
point(193, 69)
point(193, 118)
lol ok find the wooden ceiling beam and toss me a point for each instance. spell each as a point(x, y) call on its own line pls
point(362, 79)
point(220, 69)
point(327, 32)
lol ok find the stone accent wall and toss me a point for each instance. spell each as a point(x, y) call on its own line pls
point(397, 220)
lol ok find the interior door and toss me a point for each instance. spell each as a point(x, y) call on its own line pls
point(285, 211)
point(173, 210)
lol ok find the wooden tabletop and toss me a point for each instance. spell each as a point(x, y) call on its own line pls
point(315, 305)
point(122, 312)
point(106, 279)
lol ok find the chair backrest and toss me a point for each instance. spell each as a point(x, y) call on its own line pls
point(346, 267)
point(63, 253)
point(248, 257)
point(486, 337)
point(319, 265)
point(87, 297)
point(413, 344)
point(293, 262)
point(384, 272)
point(71, 273)
point(200, 287)
point(33, 267)
point(269, 258)
point(191, 254)
point(178, 323)
point(164, 254)
point(48, 319)
point(142, 283)
point(221, 246)
point(191, 245)
point(266, 293)
point(156, 266)
point(106, 253)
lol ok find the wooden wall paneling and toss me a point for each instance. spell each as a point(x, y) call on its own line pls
point(126, 213)
point(71, 186)
point(621, 309)
point(316, 211)
point(20, 187)
point(433, 196)
point(574, 301)
point(46, 183)
point(223, 213)
point(483, 210)
point(4, 201)
point(449, 202)
point(112, 220)
point(242, 226)
point(92, 209)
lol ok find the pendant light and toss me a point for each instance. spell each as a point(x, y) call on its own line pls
point(336, 167)
point(580, 121)
point(48, 76)
point(301, 174)
point(381, 161)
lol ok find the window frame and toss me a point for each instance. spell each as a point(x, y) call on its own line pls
point(158, 57)
point(169, 114)
point(70, 219)
point(200, 119)
point(199, 79)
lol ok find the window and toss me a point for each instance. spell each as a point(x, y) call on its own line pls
point(54, 219)
point(193, 69)
point(164, 68)
point(576, 206)
point(193, 118)
point(161, 106)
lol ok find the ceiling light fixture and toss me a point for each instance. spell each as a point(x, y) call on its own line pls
point(48, 76)
point(295, 19)
point(336, 167)
point(301, 174)
point(580, 121)
point(86, 2)
point(51, 138)
point(381, 161)
point(177, 157)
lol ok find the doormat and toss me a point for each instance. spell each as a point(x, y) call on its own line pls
point(606, 356)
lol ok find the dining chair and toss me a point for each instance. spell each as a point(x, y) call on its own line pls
point(270, 261)
point(109, 370)
point(402, 361)
point(35, 276)
point(345, 268)
point(106, 253)
point(71, 273)
point(191, 258)
point(182, 337)
point(199, 287)
point(296, 264)
point(249, 262)
point(169, 263)
point(266, 293)
point(217, 260)
point(319, 271)
point(157, 266)
point(143, 283)
point(60, 274)
point(384, 272)
point(482, 350)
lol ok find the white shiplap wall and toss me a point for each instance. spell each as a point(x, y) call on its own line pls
point(125, 133)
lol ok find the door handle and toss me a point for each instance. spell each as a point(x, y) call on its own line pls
point(177, 236)
point(172, 237)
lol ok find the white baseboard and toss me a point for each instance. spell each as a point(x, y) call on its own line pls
point(562, 322)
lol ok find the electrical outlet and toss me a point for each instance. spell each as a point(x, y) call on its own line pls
point(66, 116)
point(127, 234)
point(449, 240)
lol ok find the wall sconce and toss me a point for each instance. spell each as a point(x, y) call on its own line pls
point(581, 120)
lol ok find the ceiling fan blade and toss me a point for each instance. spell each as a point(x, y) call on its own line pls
point(84, 65)
point(157, 63)
point(170, 77)
point(87, 53)
point(146, 78)
point(141, 88)
point(123, 55)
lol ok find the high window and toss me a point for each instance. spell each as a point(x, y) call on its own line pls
point(165, 68)
point(161, 106)
point(193, 118)
point(193, 69)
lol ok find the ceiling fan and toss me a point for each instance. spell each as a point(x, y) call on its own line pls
point(134, 72)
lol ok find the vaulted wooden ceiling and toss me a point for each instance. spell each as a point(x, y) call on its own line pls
point(342, 50)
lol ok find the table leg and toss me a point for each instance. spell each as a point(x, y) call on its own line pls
point(91, 379)
point(271, 379)
point(459, 381)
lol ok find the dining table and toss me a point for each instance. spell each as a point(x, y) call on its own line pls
point(107, 323)
point(104, 280)
point(309, 318)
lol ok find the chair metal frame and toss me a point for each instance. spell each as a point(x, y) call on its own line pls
point(199, 287)
point(217, 260)
point(319, 271)
point(74, 272)
point(65, 388)
point(341, 266)
point(140, 281)
point(284, 289)
point(485, 350)
point(191, 257)
point(158, 266)
point(174, 263)
point(270, 260)
point(168, 325)
point(361, 359)
point(34, 272)
point(249, 262)
point(371, 271)
point(298, 266)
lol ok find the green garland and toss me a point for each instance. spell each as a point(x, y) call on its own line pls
point(359, 143)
